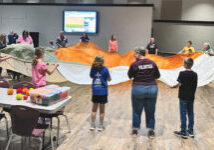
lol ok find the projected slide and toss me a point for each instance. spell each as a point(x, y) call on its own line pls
point(80, 21)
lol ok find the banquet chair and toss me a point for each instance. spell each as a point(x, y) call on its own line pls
point(29, 128)
point(57, 116)
point(23, 84)
point(4, 84)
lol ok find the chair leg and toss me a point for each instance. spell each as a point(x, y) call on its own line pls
point(51, 123)
point(43, 139)
point(8, 143)
point(58, 130)
point(52, 143)
point(43, 135)
point(40, 140)
point(6, 123)
point(68, 124)
point(40, 146)
point(22, 143)
point(29, 139)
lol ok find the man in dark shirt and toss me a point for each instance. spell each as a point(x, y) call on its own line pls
point(152, 47)
point(187, 83)
point(84, 38)
point(144, 91)
point(61, 40)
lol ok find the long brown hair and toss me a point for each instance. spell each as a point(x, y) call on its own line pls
point(3, 38)
point(38, 53)
point(98, 62)
point(113, 38)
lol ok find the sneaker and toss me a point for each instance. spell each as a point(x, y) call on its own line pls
point(151, 134)
point(93, 126)
point(190, 133)
point(101, 127)
point(182, 134)
point(134, 133)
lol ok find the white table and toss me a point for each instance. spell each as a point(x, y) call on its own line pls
point(7, 101)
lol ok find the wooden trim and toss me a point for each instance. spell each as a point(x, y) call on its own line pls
point(185, 22)
point(70, 4)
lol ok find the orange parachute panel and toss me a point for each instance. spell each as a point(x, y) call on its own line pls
point(85, 53)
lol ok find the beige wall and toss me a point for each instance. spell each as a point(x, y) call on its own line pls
point(132, 25)
point(184, 9)
point(198, 10)
point(172, 37)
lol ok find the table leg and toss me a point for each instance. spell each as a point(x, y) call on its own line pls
point(43, 135)
point(58, 129)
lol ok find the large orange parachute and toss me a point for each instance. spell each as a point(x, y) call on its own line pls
point(85, 53)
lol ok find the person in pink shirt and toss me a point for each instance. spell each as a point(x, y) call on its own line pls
point(25, 38)
point(113, 44)
point(39, 69)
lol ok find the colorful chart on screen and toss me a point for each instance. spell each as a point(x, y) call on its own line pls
point(80, 21)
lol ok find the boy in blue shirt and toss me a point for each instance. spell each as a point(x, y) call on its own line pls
point(187, 83)
point(100, 76)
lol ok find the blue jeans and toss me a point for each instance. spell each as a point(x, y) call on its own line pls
point(144, 97)
point(186, 108)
